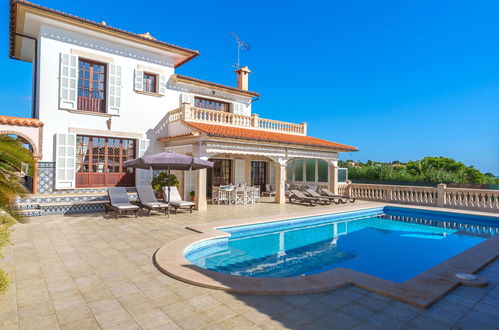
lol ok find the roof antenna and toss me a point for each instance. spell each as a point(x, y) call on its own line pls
point(241, 46)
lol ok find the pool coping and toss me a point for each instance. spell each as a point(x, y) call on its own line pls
point(422, 291)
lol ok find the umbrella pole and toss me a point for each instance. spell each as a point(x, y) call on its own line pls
point(168, 212)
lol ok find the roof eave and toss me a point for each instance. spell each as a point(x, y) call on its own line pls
point(208, 84)
point(94, 26)
point(337, 149)
point(283, 143)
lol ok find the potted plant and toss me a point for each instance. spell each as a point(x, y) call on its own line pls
point(161, 180)
point(193, 195)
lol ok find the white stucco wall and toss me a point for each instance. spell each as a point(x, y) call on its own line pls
point(139, 113)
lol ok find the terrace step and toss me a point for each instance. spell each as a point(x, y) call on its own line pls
point(50, 204)
point(31, 212)
point(27, 206)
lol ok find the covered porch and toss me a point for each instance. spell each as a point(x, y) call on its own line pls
point(249, 151)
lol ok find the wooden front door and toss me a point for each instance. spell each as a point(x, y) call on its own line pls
point(99, 161)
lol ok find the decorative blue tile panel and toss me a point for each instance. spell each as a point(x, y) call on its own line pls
point(46, 177)
point(73, 209)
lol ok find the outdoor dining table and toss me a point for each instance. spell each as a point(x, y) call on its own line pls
point(238, 195)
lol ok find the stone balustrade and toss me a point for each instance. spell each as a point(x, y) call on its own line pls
point(479, 199)
point(474, 199)
point(194, 114)
point(280, 126)
point(342, 189)
point(174, 115)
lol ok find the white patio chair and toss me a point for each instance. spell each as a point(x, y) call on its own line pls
point(250, 195)
point(215, 194)
point(256, 195)
point(238, 196)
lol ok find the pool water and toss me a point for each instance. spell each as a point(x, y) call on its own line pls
point(388, 242)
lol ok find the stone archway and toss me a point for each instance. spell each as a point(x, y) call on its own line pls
point(27, 139)
point(30, 131)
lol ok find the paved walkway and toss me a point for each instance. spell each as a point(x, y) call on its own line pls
point(92, 271)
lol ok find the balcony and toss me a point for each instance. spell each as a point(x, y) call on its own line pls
point(199, 115)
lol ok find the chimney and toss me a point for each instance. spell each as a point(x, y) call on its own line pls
point(242, 77)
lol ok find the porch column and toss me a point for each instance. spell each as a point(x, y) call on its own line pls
point(333, 178)
point(35, 178)
point(200, 189)
point(247, 172)
point(280, 180)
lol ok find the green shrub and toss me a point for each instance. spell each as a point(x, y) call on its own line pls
point(161, 180)
point(428, 169)
point(4, 282)
point(5, 223)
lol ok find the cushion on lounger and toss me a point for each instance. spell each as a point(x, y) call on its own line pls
point(182, 203)
point(118, 195)
point(146, 194)
point(157, 204)
point(125, 206)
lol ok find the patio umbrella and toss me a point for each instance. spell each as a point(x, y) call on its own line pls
point(168, 160)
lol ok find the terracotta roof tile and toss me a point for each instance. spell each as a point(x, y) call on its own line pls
point(259, 135)
point(182, 78)
point(145, 36)
point(19, 121)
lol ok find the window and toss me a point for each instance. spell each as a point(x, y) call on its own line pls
point(342, 174)
point(298, 164)
point(91, 86)
point(310, 170)
point(150, 82)
point(258, 174)
point(289, 170)
point(222, 170)
point(99, 161)
point(212, 104)
point(322, 168)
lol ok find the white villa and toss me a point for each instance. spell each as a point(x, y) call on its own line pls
point(102, 95)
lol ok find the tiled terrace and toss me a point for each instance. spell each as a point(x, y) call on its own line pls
point(93, 271)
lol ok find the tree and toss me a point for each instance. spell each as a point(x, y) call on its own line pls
point(14, 158)
point(429, 169)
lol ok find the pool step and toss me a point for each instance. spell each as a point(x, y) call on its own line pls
point(322, 253)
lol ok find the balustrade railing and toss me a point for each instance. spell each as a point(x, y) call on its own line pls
point(187, 112)
point(396, 194)
point(476, 199)
point(342, 189)
point(275, 125)
point(472, 198)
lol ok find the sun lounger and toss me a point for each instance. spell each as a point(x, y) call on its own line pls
point(148, 200)
point(343, 199)
point(175, 200)
point(325, 199)
point(298, 196)
point(119, 202)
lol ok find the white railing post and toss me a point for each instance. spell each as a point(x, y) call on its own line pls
point(187, 111)
point(441, 194)
point(255, 120)
point(304, 128)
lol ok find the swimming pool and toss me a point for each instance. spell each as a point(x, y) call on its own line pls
point(392, 243)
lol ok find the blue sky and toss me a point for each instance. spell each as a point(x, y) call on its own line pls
point(399, 79)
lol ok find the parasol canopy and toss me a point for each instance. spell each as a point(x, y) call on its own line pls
point(168, 160)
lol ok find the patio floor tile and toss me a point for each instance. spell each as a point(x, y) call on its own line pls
point(91, 271)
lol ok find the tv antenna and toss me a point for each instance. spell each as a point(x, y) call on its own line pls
point(241, 46)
